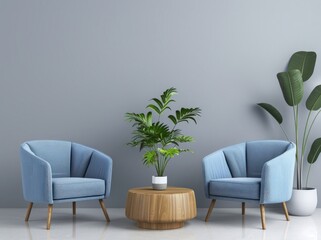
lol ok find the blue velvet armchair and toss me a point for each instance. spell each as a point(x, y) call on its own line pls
point(60, 171)
point(257, 171)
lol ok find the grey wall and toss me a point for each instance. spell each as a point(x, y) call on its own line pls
point(71, 69)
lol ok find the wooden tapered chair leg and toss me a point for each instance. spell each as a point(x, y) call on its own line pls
point(28, 211)
point(102, 205)
point(243, 208)
point(209, 212)
point(50, 206)
point(262, 210)
point(285, 211)
point(73, 208)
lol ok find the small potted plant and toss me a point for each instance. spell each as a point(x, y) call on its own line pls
point(161, 141)
point(300, 69)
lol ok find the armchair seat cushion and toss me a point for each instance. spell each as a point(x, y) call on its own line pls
point(74, 187)
point(242, 188)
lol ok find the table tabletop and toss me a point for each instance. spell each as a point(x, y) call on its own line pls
point(169, 190)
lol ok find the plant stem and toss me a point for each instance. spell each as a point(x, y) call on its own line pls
point(174, 127)
point(304, 142)
point(307, 179)
point(306, 139)
point(165, 162)
point(296, 120)
point(305, 135)
point(284, 132)
point(157, 163)
point(312, 123)
point(162, 168)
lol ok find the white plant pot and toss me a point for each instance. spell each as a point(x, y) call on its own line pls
point(303, 202)
point(159, 183)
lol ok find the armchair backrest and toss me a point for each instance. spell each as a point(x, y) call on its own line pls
point(259, 152)
point(65, 158)
point(56, 153)
point(236, 159)
point(80, 159)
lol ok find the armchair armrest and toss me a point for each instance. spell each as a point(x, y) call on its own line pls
point(36, 177)
point(214, 167)
point(277, 177)
point(100, 167)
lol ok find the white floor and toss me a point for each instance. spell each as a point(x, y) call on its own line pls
point(89, 224)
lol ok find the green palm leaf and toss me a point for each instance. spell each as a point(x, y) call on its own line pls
point(291, 84)
point(158, 102)
point(314, 151)
point(158, 129)
point(148, 136)
point(170, 152)
point(185, 114)
point(171, 117)
point(167, 95)
point(313, 102)
point(171, 138)
point(150, 157)
point(303, 61)
point(149, 119)
point(273, 111)
point(162, 104)
point(183, 139)
point(154, 107)
point(138, 118)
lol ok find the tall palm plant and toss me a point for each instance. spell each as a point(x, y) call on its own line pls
point(300, 69)
point(160, 140)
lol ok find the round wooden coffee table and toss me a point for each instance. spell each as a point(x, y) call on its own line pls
point(166, 209)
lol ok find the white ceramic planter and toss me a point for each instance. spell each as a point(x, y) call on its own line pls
point(159, 183)
point(303, 202)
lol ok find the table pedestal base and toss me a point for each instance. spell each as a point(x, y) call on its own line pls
point(167, 209)
point(160, 226)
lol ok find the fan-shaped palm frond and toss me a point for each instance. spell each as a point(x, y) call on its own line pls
point(185, 114)
point(164, 101)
